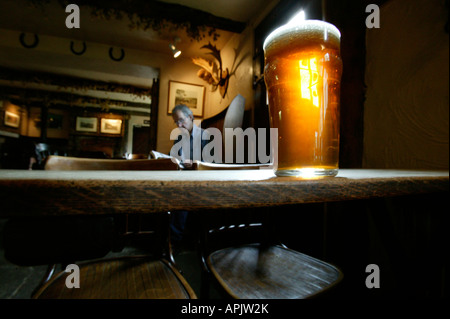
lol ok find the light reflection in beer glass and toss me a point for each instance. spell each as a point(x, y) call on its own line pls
point(309, 78)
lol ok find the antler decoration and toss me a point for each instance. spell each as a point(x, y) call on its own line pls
point(211, 71)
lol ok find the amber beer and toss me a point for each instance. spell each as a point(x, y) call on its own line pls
point(302, 73)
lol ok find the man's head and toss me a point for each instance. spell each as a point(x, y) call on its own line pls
point(183, 117)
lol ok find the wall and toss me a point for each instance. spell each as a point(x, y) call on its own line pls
point(407, 77)
point(236, 56)
point(53, 55)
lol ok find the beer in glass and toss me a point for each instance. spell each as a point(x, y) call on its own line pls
point(302, 73)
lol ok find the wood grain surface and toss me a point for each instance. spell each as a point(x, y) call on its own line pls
point(121, 278)
point(31, 193)
point(250, 272)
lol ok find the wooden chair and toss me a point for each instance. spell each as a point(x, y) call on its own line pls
point(232, 117)
point(241, 254)
point(235, 113)
point(86, 240)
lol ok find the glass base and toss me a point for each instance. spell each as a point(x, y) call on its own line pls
point(308, 172)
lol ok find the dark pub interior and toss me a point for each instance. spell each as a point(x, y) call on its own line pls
point(348, 201)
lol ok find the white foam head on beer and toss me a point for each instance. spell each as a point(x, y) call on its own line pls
point(306, 27)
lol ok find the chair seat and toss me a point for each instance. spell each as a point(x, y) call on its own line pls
point(120, 278)
point(275, 272)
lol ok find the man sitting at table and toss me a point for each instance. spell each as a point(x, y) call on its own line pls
point(198, 138)
point(184, 119)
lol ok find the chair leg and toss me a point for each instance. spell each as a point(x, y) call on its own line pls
point(204, 285)
point(48, 274)
point(205, 275)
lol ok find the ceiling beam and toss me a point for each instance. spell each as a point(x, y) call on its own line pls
point(156, 14)
point(24, 87)
point(38, 98)
point(63, 81)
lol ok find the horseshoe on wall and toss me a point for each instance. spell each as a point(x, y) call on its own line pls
point(28, 46)
point(122, 55)
point(79, 52)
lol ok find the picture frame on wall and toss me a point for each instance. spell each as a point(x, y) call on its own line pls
point(86, 124)
point(192, 95)
point(111, 126)
point(11, 119)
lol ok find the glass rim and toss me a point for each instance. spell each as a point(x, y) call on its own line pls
point(303, 24)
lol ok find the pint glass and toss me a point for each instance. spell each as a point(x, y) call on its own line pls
point(302, 73)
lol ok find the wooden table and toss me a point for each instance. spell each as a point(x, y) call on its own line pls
point(29, 193)
point(405, 244)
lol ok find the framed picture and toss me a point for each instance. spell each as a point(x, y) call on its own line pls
point(111, 126)
point(12, 119)
point(86, 124)
point(192, 95)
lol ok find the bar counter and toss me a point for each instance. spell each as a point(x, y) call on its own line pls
point(32, 193)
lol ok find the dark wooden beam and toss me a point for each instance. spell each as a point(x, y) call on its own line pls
point(38, 77)
point(155, 14)
point(35, 97)
point(21, 93)
point(349, 17)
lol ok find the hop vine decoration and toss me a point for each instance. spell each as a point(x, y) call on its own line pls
point(212, 71)
point(142, 15)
